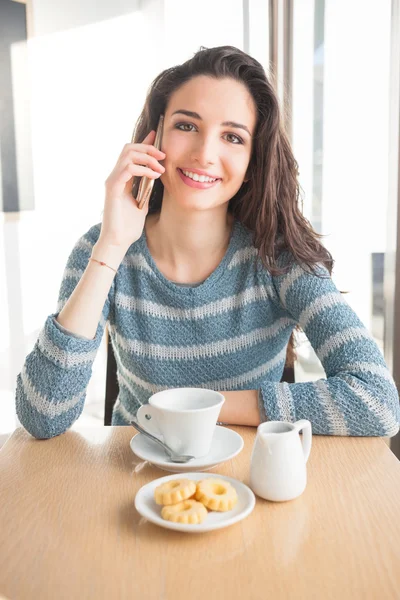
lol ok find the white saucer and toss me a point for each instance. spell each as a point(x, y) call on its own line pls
point(225, 445)
point(147, 507)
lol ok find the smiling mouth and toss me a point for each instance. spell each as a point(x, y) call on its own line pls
point(214, 179)
point(199, 185)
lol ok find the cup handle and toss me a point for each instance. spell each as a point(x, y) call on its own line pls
point(147, 419)
point(305, 425)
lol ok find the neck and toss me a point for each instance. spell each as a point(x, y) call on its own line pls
point(188, 247)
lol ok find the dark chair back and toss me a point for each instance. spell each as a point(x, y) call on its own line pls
point(112, 387)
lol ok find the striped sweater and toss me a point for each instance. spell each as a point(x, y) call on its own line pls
point(228, 333)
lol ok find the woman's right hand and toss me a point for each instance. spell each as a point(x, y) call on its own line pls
point(123, 221)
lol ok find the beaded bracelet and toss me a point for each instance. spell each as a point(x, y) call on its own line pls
point(103, 264)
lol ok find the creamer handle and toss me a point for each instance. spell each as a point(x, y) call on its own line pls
point(305, 425)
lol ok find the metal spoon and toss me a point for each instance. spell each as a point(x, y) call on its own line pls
point(173, 457)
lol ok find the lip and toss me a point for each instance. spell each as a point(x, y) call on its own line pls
point(197, 184)
point(200, 172)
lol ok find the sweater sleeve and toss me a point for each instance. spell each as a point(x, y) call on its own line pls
point(51, 387)
point(359, 396)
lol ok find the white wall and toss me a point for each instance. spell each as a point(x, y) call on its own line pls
point(208, 23)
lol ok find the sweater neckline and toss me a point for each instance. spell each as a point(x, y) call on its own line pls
point(209, 282)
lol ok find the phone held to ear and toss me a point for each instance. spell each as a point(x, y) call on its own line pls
point(146, 184)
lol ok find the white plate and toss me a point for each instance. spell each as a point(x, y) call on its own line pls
point(147, 507)
point(225, 445)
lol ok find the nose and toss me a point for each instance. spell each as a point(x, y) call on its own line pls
point(205, 151)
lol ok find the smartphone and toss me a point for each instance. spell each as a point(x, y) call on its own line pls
point(146, 184)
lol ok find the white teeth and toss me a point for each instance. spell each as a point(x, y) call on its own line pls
point(200, 178)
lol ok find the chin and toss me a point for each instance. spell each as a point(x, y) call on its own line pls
point(197, 200)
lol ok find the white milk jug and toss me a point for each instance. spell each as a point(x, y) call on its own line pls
point(278, 462)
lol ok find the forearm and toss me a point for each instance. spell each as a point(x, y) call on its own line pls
point(240, 408)
point(81, 314)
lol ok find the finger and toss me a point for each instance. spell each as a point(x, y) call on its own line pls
point(150, 137)
point(136, 171)
point(139, 158)
point(146, 148)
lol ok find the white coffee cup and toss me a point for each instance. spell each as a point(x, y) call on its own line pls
point(183, 418)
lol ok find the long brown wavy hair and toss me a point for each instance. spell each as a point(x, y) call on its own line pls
point(267, 204)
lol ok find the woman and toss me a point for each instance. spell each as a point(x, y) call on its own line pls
point(205, 286)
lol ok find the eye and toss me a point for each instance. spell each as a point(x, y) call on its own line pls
point(179, 125)
point(240, 141)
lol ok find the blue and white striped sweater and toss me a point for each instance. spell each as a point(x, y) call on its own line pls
point(228, 333)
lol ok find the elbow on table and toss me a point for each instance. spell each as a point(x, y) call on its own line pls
point(371, 405)
point(42, 432)
point(392, 423)
point(40, 425)
point(43, 428)
point(388, 410)
point(392, 429)
point(392, 426)
point(372, 428)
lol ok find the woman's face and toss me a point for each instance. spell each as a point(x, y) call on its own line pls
point(216, 138)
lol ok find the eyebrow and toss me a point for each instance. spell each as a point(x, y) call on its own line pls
point(195, 115)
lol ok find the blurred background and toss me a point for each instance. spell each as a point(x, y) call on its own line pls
point(73, 79)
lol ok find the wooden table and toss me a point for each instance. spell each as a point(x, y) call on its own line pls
point(69, 528)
